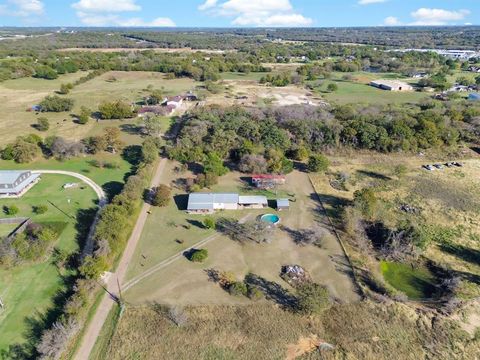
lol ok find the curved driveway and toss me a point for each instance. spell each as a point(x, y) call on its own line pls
point(102, 201)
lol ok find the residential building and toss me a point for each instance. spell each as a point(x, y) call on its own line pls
point(16, 183)
point(206, 203)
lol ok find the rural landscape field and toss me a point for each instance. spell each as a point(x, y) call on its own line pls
point(239, 180)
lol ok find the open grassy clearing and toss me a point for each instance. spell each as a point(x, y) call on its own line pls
point(28, 291)
point(447, 202)
point(357, 331)
point(6, 229)
point(107, 178)
point(184, 282)
point(243, 76)
point(17, 95)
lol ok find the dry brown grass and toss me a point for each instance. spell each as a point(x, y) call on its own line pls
point(357, 331)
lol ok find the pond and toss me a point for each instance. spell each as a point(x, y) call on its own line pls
point(417, 283)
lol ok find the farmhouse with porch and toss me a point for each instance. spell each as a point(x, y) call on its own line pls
point(15, 183)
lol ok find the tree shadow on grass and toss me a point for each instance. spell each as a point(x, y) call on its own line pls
point(196, 223)
point(462, 252)
point(84, 221)
point(273, 291)
point(132, 154)
point(334, 205)
point(112, 188)
point(181, 201)
point(131, 129)
point(374, 175)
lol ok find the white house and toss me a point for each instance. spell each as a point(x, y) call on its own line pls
point(16, 183)
point(391, 85)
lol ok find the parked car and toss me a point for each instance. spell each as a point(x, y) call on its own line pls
point(428, 167)
point(438, 166)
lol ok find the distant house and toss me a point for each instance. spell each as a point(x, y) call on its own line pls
point(283, 204)
point(16, 183)
point(458, 88)
point(475, 69)
point(206, 203)
point(268, 181)
point(391, 85)
point(419, 75)
point(474, 97)
point(175, 101)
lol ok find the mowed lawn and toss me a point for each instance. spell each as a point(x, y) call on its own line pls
point(184, 282)
point(16, 96)
point(107, 178)
point(28, 290)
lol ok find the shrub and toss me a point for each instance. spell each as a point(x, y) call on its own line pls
point(199, 255)
point(116, 110)
point(10, 210)
point(24, 151)
point(317, 163)
point(55, 103)
point(238, 288)
point(312, 298)
point(43, 124)
point(161, 195)
point(206, 180)
point(332, 87)
point(65, 88)
point(40, 209)
point(254, 293)
point(209, 223)
point(84, 115)
point(366, 201)
point(93, 267)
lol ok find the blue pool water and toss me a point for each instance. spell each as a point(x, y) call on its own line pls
point(270, 218)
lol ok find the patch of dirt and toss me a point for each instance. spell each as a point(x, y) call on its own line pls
point(305, 345)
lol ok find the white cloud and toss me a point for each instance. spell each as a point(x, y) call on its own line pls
point(426, 16)
point(368, 2)
point(208, 5)
point(22, 8)
point(257, 13)
point(392, 21)
point(109, 6)
point(105, 13)
point(91, 19)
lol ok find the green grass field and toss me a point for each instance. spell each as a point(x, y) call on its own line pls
point(242, 76)
point(28, 290)
point(18, 95)
point(416, 283)
point(82, 165)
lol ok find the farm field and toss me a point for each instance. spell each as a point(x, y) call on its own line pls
point(18, 95)
point(183, 282)
point(265, 331)
point(29, 290)
point(446, 202)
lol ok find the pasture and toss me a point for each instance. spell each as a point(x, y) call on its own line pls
point(446, 204)
point(16, 96)
point(170, 230)
point(30, 291)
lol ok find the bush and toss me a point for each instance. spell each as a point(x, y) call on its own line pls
point(93, 267)
point(318, 163)
point(43, 124)
point(254, 293)
point(332, 87)
point(238, 288)
point(116, 110)
point(366, 201)
point(312, 298)
point(40, 209)
point(209, 223)
point(161, 195)
point(65, 88)
point(55, 103)
point(199, 255)
point(84, 115)
point(10, 210)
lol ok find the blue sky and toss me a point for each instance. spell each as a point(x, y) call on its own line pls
point(238, 13)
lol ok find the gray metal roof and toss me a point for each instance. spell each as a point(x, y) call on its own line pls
point(199, 201)
point(253, 200)
point(9, 181)
point(283, 203)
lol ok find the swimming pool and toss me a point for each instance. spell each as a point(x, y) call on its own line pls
point(270, 218)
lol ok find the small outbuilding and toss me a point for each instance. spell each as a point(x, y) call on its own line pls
point(283, 204)
point(268, 181)
point(391, 85)
point(16, 183)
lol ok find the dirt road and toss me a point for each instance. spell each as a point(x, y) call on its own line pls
point(96, 323)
